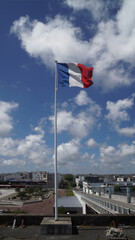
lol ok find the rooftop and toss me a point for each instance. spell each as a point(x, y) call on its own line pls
point(69, 202)
point(34, 233)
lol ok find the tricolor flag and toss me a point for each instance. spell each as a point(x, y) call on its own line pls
point(74, 75)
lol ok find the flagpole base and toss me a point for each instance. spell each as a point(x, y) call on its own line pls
point(63, 226)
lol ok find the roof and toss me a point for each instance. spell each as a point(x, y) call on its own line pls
point(71, 201)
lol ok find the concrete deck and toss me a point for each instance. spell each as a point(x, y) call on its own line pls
point(34, 233)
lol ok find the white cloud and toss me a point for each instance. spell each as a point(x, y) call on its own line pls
point(8, 147)
point(82, 124)
point(92, 143)
point(113, 43)
point(93, 108)
point(31, 149)
point(118, 113)
point(14, 162)
point(109, 155)
point(69, 152)
point(127, 131)
point(71, 159)
point(51, 40)
point(127, 150)
point(64, 120)
point(117, 110)
point(34, 148)
point(82, 98)
point(126, 25)
point(6, 122)
point(112, 47)
point(96, 7)
point(78, 124)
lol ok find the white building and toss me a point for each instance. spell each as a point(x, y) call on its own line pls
point(97, 188)
point(79, 181)
point(121, 179)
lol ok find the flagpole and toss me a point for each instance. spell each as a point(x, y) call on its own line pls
point(55, 145)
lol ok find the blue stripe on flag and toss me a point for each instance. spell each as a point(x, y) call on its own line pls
point(63, 75)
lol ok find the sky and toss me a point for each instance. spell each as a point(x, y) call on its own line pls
point(95, 126)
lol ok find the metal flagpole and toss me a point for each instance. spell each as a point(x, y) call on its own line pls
point(55, 146)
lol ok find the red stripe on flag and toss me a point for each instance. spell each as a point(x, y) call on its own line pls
point(86, 75)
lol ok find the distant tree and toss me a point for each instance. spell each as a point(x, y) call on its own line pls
point(30, 190)
point(69, 177)
point(64, 184)
point(73, 184)
point(17, 189)
point(22, 195)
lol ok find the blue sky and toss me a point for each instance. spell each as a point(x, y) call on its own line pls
point(96, 126)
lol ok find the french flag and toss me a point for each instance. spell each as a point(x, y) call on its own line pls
point(74, 75)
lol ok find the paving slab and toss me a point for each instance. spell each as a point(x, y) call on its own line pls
point(34, 233)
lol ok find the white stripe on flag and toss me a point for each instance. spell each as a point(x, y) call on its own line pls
point(74, 75)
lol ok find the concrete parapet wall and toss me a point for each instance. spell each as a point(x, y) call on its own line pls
point(103, 220)
point(77, 219)
point(7, 219)
point(118, 197)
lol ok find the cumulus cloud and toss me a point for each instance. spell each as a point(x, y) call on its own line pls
point(117, 110)
point(8, 147)
point(127, 150)
point(64, 120)
point(70, 157)
point(78, 124)
point(127, 131)
point(109, 155)
point(14, 162)
point(118, 113)
point(82, 98)
point(126, 25)
point(113, 44)
point(6, 121)
point(109, 50)
point(32, 149)
point(50, 40)
point(92, 143)
point(96, 7)
point(69, 152)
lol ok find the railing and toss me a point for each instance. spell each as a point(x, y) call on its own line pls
point(119, 198)
point(104, 204)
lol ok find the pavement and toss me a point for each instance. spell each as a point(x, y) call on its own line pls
point(34, 233)
point(42, 207)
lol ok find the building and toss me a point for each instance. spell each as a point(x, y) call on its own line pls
point(70, 204)
point(79, 181)
point(39, 176)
